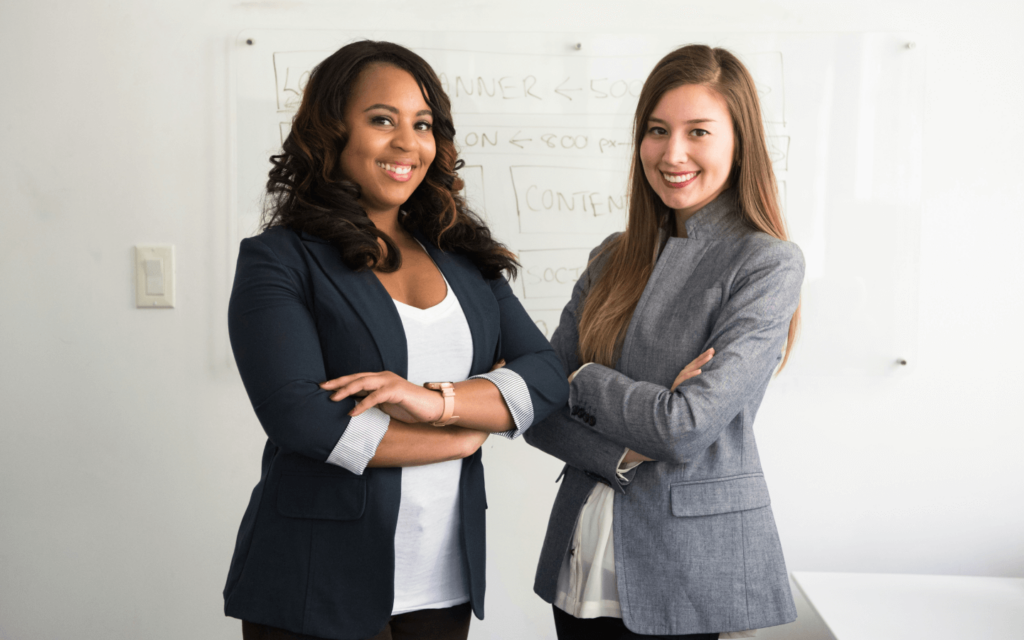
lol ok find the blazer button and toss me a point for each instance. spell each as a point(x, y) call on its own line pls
point(591, 420)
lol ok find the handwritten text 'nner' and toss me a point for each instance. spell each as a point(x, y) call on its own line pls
point(530, 88)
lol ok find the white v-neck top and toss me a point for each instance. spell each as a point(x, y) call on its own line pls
point(429, 567)
point(430, 570)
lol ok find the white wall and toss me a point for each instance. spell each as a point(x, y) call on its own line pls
point(128, 448)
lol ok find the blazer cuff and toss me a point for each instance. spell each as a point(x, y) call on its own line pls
point(358, 444)
point(516, 394)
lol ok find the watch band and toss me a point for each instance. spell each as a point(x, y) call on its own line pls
point(447, 390)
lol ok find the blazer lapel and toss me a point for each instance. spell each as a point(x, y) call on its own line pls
point(678, 260)
point(370, 300)
point(477, 303)
point(674, 267)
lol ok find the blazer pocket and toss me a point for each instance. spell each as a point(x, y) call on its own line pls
point(321, 497)
point(719, 495)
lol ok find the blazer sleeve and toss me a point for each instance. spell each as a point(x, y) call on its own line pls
point(559, 434)
point(277, 349)
point(529, 357)
point(748, 338)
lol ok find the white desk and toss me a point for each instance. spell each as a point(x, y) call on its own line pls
point(876, 606)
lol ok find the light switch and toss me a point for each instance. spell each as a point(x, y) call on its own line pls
point(154, 278)
point(154, 275)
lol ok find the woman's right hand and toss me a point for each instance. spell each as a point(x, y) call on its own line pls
point(693, 369)
point(633, 456)
point(395, 395)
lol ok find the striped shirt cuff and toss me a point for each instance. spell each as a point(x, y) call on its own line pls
point(359, 443)
point(517, 396)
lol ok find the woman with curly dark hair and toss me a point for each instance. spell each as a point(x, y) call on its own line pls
point(372, 278)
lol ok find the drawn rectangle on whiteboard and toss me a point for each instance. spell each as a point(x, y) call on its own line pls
point(778, 152)
point(508, 83)
point(546, 320)
point(291, 72)
point(569, 199)
point(551, 273)
point(489, 82)
point(473, 191)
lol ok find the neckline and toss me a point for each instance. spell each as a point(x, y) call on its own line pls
point(442, 305)
point(442, 308)
point(712, 219)
point(444, 301)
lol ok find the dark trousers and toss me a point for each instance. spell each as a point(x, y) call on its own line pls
point(572, 628)
point(426, 624)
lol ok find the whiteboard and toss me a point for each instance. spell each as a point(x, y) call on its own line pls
point(544, 124)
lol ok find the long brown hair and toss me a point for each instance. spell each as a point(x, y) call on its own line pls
point(609, 306)
point(307, 192)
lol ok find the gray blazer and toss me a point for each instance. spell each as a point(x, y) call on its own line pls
point(696, 548)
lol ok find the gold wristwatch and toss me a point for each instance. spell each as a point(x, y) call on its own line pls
point(447, 390)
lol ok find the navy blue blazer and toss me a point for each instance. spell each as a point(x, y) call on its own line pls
point(315, 549)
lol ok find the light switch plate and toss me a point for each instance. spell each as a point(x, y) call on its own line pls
point(154, 276)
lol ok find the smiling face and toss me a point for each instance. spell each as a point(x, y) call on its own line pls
point(688, 148)
point(390, 138)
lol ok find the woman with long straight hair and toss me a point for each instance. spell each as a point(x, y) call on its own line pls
point(366, 320)
point(662, 525)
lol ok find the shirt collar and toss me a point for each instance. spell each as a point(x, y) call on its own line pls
point(717, 218)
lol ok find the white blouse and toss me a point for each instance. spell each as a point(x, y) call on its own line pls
point(430, 571)
point(586, 583)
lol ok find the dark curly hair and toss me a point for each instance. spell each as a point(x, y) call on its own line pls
point(307, 192)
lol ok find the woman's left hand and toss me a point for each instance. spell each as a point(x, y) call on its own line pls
point(391, 393)
point(693, 369)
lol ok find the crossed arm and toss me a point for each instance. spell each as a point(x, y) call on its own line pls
point(410, 440)
point(573, 442)
point(749, 335)
point(277, 347)
point(674, 424)
point(502, 401)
